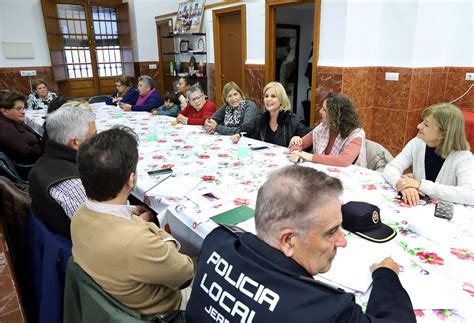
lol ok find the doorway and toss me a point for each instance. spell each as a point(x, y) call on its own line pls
point(230, 50)
point(292, 27)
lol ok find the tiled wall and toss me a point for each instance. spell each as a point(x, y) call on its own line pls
point(142, 68)
point(254, 82)
point(10, 78)
point(391, 110)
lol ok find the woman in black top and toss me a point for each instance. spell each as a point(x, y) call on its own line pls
point(277, 125)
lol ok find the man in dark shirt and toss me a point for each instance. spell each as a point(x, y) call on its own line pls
point(269, 277)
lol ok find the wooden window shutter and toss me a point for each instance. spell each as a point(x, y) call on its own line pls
point(125, 38)
point(55, 41)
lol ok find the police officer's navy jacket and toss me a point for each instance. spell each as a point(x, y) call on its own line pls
point(240, 278)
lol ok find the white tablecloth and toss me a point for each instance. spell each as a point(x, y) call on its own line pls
point(425, 246)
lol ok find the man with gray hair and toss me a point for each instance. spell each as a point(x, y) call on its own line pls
point(148, 99)
point(269, 277)
point(55, 187)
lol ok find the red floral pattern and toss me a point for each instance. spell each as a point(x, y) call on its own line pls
point(430, 258)
point(463, 254)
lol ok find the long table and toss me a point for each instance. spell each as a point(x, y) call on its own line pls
point(437, 256)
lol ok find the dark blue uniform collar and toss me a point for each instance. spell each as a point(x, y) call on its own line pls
point(267, 256)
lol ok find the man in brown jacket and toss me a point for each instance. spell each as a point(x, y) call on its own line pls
point(129, 257)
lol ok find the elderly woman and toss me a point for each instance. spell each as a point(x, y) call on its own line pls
point(440, 157)
point(148, 99)
point(125, 93)
point(41, 97)
point(237, 115)
point(338, 140)
point(182, 88)
point(277, 125)
point(198, 109)
point(17, 140)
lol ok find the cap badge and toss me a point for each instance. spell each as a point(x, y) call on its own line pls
point(375, 217)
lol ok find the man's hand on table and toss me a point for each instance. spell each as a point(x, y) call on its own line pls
point(387, 263)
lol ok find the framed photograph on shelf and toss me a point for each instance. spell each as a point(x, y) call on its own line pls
point(184, 46)
point(190, 16)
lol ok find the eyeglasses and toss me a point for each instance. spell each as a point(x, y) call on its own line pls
point(19, 109)
point(196, 98)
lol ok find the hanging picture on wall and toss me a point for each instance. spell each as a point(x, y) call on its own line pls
point(286, 69)
point(190, 16)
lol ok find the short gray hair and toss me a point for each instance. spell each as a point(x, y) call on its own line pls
point(289, 197)
point(195, 88)
point(148, 81)
point(68, 123)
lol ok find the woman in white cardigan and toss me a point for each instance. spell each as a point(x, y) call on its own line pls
point(442, 163)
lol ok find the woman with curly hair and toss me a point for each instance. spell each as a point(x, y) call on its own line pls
point(338, 140)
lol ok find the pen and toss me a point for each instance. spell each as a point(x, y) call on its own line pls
point(158, 183)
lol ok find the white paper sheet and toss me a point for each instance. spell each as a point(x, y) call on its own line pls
point(431, 227)
point(177, 186)
point(351, 266)
point(428, 292)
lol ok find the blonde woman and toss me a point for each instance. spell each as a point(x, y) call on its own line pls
point(440, 157)
point(237, 115)
point(277, 125)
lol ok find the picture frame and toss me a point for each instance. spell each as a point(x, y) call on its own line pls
point(190, 16)
point(184, 46)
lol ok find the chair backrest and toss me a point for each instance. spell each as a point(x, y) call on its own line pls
point(7, 169)
point(98, 98)
point(48, 254)
point(377, 156)
point(86, 301)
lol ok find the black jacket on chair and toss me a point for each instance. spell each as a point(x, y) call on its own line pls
point(240, 276)
point(58, 163)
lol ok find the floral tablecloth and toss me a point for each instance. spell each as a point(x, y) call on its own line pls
point(424, 246)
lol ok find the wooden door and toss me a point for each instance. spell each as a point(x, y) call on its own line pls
point(230, 50)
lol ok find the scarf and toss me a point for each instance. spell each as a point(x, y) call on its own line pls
point(321, 139)
point(142, 99)
point(233, 116)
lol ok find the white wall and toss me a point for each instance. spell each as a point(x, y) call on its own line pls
point(353, 32)
point(397, 33)
point(21, 21)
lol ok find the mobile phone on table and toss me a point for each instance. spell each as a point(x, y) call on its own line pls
point(259, 148)
point(444, 210)
point(158, 172)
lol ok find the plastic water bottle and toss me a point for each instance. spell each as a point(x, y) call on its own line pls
point(152, 131)
point(244, 154)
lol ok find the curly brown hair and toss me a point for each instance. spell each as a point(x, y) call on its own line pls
point(343, 118)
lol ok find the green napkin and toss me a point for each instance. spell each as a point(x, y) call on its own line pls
point(234, 216)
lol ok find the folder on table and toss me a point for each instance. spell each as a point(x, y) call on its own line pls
point(234, 216)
